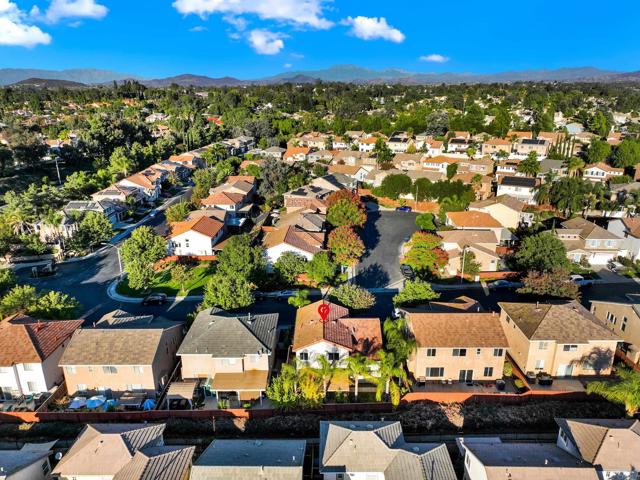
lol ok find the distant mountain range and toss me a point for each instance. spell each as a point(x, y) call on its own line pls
point(337, 73)
point(48, 83)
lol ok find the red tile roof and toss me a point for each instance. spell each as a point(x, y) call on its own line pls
point(26, 340)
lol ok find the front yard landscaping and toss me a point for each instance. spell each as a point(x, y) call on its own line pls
point(166, 281)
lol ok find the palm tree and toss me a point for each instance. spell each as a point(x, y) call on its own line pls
point(544, 189)
point(54, 220)
point(626, 390)
point(325, 371)
point(358, 366)
point(389, 368)
point(398, 338)
point(574, 166)
point(218, 151)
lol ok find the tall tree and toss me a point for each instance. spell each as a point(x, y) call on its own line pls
point(139, 254)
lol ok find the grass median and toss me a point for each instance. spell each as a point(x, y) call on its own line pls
point(165, 282)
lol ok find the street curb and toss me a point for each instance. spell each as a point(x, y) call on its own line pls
point(114, 295)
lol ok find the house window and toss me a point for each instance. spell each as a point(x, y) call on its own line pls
point(186, 243)
point(109, 369)
point(478, 351)
point(539, 364)
point(431, 352)
point(28, 367)
point(543, 345)
point(138, 369)
point(81, 387)
point(434, 372)
point(228, 361)
point(498, 352)
point(304, 356)
point(570, 348)
point(623, 325)
point(459, 352)
point(488, 371)
point(45, 467)
point(333, 356)
point(564, 438)
point(32, 387)
point(134, 387)
point(253, 358)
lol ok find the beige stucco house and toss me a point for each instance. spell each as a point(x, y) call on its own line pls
point(482, 243)
point(507, 210)
point(562, 338)
point(121, 353)
point(622, 317)
point(233, 353)
point(461, 346)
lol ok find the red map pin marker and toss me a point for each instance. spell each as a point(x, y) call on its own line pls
point(324, 310)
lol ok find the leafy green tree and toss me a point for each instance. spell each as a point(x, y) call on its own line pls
point(320, 269)
point(283, 389)
point(95, 228)
point(180, 274)
point(354, 296)
point(425, 221)
point(289, 266)
point(569, 195)
point(6, 158)
point(624, 390)
point(139, 254)
point(554, 283)
point(121, 162)
point(358, 366)
point(325, 372)
point(530, 166)
point(542, 252)
point(598, 151)
point(55, 305)
point(344, 208)
point(229, 292)
point(7, 280)
point(415, 292)
point(177, 212)
point(300, 299)
point(239, 258)
point(627, 154)
point(599, 124)
point(204, 179)
point(425, 255)
point(389, 368)
point(452, 169)
point(394, 185)
point(19, 299)
point(345, 245)
point(501, 123)
point(382, 151)
point(469, 265)
point(275, 178)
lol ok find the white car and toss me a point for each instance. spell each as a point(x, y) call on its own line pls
point(580, 280)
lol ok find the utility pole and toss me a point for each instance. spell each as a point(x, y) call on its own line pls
point(464, 253)
point(58, 170)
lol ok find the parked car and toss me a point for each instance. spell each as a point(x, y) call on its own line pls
point(45, 270)
point(277, 295)
point(616, 266)
point(155, 299)
point(407, 271)
point(581, 281)
point(504, 284)
point(403, 208)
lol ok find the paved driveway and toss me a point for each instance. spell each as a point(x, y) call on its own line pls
point(384, 233)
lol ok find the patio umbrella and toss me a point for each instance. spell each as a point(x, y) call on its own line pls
point(97, 401)
point(149, 404)
point(77, 402)
point(109, 403)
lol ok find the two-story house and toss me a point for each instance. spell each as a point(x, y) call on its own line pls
point(479, 220)
point(233, 352)
point(119, 451)
point(584, 240)
point(622, 317)
point(612, 446)
point(291, 238)
point(496, 145)
point(561, 338)
point(527, 145)
point(601, 172)
point(482, 243)
point(147, 184)
point(195, 237)
point(122, 353)
point(296, 154)
point(251, 459)
point(378, 450)
point(629, 230)
point(462, 346)
point(336, 337)
point(29, 353)
point(507, 210)
point(522, 188)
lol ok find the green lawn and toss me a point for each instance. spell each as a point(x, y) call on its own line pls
point(162, 283)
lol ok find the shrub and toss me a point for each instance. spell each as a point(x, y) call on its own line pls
point(353, 296)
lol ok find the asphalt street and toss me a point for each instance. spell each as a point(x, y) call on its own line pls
point(383, 236)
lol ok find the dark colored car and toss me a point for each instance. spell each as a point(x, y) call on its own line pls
point(155, 299)
point(403, 208)
point(407, 271)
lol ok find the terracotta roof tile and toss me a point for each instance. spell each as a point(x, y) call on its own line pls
point(204, 225)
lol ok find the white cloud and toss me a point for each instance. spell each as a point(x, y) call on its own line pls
point(434, 57)
point(238, 22)
point(372, 28)
point(14, 31)
point(287, 65)
point(198, 28)
point(60, 9)
point(265, 42)
point(308, 13)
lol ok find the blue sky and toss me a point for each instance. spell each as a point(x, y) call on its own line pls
point(257, 38)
